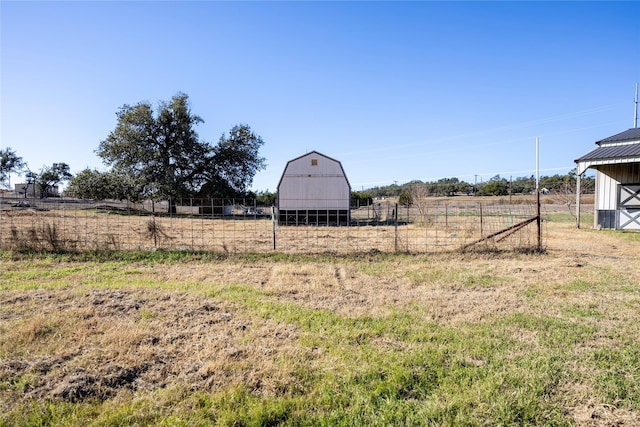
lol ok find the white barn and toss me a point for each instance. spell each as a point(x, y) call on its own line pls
point(314, 190)
point(616, 161)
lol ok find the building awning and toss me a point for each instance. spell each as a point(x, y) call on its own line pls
point(617, 149)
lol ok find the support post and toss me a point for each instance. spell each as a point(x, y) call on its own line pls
point(396, 228)
point(538, 217)
point(273, 225)
point(539, 220)
point(578, 176)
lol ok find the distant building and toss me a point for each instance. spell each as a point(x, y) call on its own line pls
point(616, 161)
point(314, 190)
point(33, 190)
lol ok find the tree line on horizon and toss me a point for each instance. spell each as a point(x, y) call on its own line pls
point(159, 156)
point(496, 186)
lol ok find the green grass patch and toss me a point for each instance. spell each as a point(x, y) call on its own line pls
point(618, 378)
point(586, 311)
point(404, 370)
point(600, 279)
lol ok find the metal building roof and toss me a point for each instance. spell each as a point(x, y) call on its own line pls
point(623, 147)
point(628, 135)
point(612, 152)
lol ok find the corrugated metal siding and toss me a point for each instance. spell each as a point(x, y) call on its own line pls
point(606, 219)
point(628, 173)
point(297, 192)
point(305, 186)
point(607, 179)
point(606, 189)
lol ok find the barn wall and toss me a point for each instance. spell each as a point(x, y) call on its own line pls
point(608, 181)
point(317, 187)
point(313, 193)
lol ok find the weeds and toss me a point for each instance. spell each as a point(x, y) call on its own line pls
point(155, 231)
point(194, 338)
point(41, 237)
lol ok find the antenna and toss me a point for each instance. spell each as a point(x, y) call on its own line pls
point(635, 111)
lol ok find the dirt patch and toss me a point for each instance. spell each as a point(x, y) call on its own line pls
point(602, 415)
point(95, 344)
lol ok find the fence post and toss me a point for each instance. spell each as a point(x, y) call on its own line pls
point(407, 225)
point(192, 216)
point(481, 231)
point(395, 218)
point(273, 225)
point(446, 218)
point(426, 228)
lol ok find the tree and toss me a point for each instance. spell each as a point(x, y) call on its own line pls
point(419, 194)
point(10, 162)
point(405, 198)
point(447, 186)
point(233, 163)
point(163, 156)
point(30, 177)
point(93, 184)
point(524, 185)
point(496, 187)
point(361, 198)
point(50, 176)
point(266, 198)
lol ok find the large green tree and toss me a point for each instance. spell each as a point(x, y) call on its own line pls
point(10, 162)
point(162, 154)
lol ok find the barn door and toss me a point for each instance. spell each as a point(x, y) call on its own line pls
point(629, 207)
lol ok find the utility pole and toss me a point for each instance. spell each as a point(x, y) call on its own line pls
point(635, 111)
point(538, 217)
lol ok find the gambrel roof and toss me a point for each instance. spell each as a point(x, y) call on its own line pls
point(309, 154)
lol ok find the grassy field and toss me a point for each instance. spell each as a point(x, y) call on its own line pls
point(178, 338)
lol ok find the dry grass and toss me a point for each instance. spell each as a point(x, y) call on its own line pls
point(101, 343)
point(76, 331)
point(445, 225)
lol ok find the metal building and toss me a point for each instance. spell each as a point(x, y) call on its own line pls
point(314, 190)
point(616, 161)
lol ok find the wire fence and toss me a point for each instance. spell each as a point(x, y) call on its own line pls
point(242, 226)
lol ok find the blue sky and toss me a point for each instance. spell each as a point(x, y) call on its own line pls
point(397, 91)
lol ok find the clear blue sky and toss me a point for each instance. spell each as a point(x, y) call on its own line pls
point(397, 91)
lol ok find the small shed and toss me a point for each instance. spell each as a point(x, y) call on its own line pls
point(616, 161)
point(314, 190)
